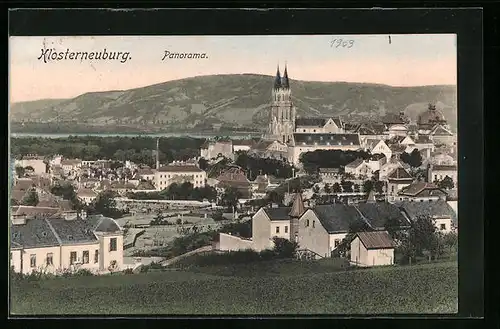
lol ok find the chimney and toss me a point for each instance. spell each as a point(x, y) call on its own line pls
point(429, 173)
point(157, 153)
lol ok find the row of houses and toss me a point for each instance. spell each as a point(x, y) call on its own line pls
point(321, 228)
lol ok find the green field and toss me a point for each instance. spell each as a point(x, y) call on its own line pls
point(288, 287)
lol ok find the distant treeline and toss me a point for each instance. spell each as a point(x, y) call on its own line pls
point(312, 161)
point(136, 149)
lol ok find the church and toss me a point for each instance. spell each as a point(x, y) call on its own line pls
point(301, 135)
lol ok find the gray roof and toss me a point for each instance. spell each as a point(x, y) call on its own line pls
point(378, 213)
point(439, 208)
point(356, 163)
point(35, 233)
point(310, 122)
point(57, 231)
point(326, 139)
point(279, 213)
point(336, 217)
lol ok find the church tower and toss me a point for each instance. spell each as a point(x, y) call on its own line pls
point(282, 120)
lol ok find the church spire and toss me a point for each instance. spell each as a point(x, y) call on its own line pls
point(298, 206)
point(284, 81)
point(277, 80)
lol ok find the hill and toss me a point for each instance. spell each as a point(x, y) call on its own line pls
point(285, 288)
point(235, 100)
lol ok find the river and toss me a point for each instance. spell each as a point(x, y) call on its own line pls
point(187, 134)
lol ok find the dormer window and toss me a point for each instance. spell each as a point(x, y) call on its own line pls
point(44, 234)
point(320, 138)
point(331, 137)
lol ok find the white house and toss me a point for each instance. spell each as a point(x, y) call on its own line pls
point(440, 134)
point(306, 142)
point(439, 172)
point(179, 174)
point(37, 163)
point(359, 168)
point(421, 192)
point(71, 164)
point(56, 244)
point(270, 149)
point(319, 125)
point(372, 249)
point(398, 179)
point(146, 174)
point(389, 167)
point(86, 195)
point(214, 149)
point(378, 147)
point(445, 216)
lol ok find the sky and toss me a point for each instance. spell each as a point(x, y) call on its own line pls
point(408, 60)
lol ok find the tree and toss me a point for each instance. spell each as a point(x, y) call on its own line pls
point(105, 204)
point(393, 226)
point(20, 171)
point(355, 187)
point(29, 168)
point(347, 186)
point(14, 202)
point(316, 189)
point(30, 199)
point(285, 248)
point(328, 188)
point(421, 237)
point(203, 164)
point(230, 198)
point(275, 197)
point(446, 183)
point(336, 188)
point(414, 159)
point(345, 244)
point(368, 186)
point(379, 186)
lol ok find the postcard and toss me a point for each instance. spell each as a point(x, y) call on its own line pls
point(243, 174)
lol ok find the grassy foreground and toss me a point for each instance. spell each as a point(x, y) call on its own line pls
point(276, 288)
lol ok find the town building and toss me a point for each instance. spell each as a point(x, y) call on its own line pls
point(69, 165)
point(146, 174)
point(217, 148)
point(242, 145)
point(421, 192)
point(282, 120)
point(439, 172)
point(397, 180)
point(359, 168)
point(270, 149)
point(445, 217)
point(57, 244)
point(37, 163)
point(375, 146)
point(305, 142)
point(372, 249)
point(234, 178)
point(179, 173)
point(319, 125)
point(86, 195)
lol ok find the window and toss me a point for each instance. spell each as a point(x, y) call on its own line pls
point(304, 130)
point(314, 222)
point(50, 259)
point(72, 257)
point(314, 130)
point(307, 223)
point(443, 227)
point(277, 229)
point(435, 177)
point(112, 244)
point(337, 242)
point(96, 257)
point(286, 229)
point(33, 260)
point(86, 257)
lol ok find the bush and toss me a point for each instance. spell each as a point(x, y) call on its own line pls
point(128, 271)
point(285, 248)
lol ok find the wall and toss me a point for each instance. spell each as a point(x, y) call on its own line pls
point(15, 259)
point(446, 222)
point(41, 259)
point(261, 229)
point(358, 252)
point(38, 165)
point(453, 174)
point(281, 224)
point(336, 236)
point(233, 243)
point(313, 237)
point(380, 257)
point(79, 249)
point(382, 148)
point(108, 256)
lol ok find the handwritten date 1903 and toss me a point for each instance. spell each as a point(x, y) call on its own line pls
point(342, 43)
